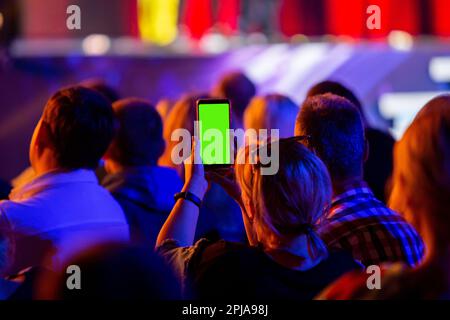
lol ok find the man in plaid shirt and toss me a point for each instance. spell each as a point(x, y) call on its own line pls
point(356, 221)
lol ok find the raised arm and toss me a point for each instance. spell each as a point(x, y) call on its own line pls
point(182, 221)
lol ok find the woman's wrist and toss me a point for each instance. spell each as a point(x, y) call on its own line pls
point(198, 189)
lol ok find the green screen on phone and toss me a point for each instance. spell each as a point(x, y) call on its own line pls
point(214, 123)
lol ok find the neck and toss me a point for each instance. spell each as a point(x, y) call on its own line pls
point(343, 185)
point(46, 163)
point(295, 254)
point(113, 167)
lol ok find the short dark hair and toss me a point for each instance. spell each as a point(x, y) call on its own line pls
point(338, 89)
point(336, 133)
point(237, 87)
point(139, 138)
point(102, 87)
point(80, 123)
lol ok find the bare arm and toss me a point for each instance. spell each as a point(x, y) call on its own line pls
point(182, 221)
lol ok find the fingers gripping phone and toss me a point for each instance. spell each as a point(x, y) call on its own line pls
point(214, 117)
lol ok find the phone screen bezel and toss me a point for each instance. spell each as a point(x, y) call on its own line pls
point(216, 101)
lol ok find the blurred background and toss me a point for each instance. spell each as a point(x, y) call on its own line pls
point(160, 49)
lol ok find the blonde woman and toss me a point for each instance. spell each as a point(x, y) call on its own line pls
point(272, 111)
point(421, 191)
point(285, 258)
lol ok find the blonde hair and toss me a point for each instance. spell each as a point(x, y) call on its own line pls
point(271, 112)
point(290, 203)
point(421, 175)
point(181, 116)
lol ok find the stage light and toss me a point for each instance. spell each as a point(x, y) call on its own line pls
point(403, 107)
point(299, 38)
point(401, 40)
point(265, 65)
point(158, 21)
point(257, 38)
point(214, 43)
point(2, 20)
point(96, 44)
point(440, 69)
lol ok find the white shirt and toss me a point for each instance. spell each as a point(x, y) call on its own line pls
point(61, 212)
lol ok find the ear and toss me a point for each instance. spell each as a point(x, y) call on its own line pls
point(42, 135)
point(366, 150)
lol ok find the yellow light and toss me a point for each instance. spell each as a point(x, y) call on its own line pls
point(158, 20)
point(96, 44)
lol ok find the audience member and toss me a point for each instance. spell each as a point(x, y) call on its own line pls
point(64, 209)
point(286, 258)
point(182, 116)
point(114, 272)
point(221, 217)
point(239, 89)
point(112, 95)
point(164, 107)
point(143, 189)
point(28, 174)
point(356, 220)
point(102, 87)
point(421, 191)
point(378, 165)
point(269, 112)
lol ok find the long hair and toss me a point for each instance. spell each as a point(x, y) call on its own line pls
point(421, 177)
point(272, 111)
point(289, 203)
point(182, 116)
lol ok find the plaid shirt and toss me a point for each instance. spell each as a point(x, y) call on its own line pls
point(360, 223)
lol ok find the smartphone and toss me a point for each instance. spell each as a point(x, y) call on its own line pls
point(214, 117)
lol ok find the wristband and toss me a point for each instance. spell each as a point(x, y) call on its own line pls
point(189, 196)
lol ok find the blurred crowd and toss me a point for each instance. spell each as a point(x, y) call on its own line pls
point(103, 194)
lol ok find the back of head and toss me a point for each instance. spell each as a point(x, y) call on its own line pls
point(337, 89)
point(181, 116)
point(139, 137)
point(237, 87)
point(80, 125)
point(335, 132)
point(102, 87)
point(421, 179)
point(292, 200)
point(271, 112)
point(114, 271)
